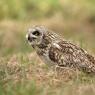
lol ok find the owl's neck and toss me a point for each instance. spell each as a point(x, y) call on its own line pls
point(45, 42)
point(48, 38)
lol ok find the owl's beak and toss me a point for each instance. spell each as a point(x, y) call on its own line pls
point(30, 38)
point(26, 36)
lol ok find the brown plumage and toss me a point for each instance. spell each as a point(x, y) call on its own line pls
point(55, 51)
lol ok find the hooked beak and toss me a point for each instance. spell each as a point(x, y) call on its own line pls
point(31, 37)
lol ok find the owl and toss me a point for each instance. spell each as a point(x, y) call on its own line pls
point(56, 51)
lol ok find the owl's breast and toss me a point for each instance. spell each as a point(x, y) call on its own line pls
point(44, 55)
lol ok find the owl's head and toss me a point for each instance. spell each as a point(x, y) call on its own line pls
point(35, 35)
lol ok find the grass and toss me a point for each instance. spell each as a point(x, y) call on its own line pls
point(37, 9)
point(23, 9)
point(23, 73)
point(21, 70)
point(27, 75)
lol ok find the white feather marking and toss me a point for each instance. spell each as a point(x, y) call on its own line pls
point(56, 45)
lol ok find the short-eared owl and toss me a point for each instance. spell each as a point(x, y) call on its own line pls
point(55, 51)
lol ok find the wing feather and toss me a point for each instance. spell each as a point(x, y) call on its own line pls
point(67, 54)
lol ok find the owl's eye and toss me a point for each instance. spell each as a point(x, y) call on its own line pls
point(36, 33)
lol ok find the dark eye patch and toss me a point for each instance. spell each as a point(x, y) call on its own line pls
point(36, 33)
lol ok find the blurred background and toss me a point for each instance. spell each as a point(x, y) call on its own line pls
point(21, 70)
point(73, 19)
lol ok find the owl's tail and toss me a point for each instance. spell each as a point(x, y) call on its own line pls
point(90, 66)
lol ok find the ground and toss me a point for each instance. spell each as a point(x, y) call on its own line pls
point(23, 73)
